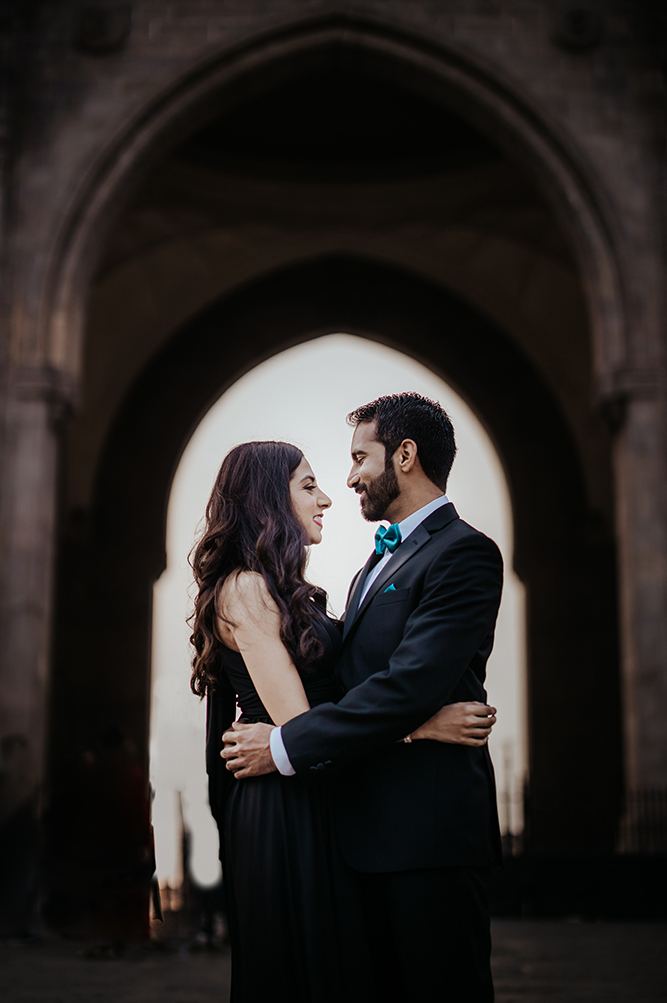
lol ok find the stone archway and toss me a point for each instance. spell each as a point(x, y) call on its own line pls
point(462, 84)
point(48, 372)
point(416, 64)
point(563, 554)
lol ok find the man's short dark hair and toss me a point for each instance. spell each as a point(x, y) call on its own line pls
point(411, 416)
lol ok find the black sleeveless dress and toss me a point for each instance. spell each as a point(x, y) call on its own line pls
point(296, 927)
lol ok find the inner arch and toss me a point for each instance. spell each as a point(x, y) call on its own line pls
point(562, 551)
point(489, 114)
point(302, 395)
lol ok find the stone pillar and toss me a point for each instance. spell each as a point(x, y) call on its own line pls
point(641, 491)
point(36, 398)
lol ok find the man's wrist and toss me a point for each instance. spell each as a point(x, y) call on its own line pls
point(279, 754)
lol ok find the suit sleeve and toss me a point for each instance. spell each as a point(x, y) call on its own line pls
point(456, 613)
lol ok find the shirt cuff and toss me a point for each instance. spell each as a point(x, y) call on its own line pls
point(279, 755)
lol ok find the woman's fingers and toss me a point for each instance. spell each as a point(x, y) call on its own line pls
point(476, 720)
point(478, 726)
point(479, 710)
point(480, 719)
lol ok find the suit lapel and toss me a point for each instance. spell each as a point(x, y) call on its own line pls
point(356, 590)
point(411, 546)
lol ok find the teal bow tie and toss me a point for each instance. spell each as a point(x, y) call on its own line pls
point(387, 539)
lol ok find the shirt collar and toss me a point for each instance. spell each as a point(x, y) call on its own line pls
point(411, 522)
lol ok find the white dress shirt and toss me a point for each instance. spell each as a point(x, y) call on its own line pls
point(409, 525)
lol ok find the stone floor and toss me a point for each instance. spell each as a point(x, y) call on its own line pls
point(534, 962)
point(560, 962)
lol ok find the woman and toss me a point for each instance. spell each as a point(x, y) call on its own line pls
point(263, 640)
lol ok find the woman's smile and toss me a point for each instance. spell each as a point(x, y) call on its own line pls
point(309, 501)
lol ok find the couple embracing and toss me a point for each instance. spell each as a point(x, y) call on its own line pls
point(355, 796)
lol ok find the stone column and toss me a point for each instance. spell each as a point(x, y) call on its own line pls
point(36, 398)
point(641, 492)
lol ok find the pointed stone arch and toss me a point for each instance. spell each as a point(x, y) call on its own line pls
point(563, 555)
point(479, 94)
point(47, 353)
point(463, 83)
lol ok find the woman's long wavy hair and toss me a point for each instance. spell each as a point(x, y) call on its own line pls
point(251, 526)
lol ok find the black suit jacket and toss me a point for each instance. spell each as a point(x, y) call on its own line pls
point(406, 652)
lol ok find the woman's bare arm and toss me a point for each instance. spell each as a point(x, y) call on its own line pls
point(459, 724)
point(252, 623)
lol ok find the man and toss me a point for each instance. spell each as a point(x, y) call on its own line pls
point(416, 821)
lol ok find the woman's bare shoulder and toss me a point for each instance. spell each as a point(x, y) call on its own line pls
point(247, 590)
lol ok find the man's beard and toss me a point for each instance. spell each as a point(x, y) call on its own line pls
point(379, 494)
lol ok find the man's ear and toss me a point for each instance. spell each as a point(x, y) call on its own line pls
point(405, 456)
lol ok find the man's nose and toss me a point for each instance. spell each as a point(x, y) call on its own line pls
point(352, 477)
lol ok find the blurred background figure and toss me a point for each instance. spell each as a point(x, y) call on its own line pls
point(19, 840)
point(101, 857)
